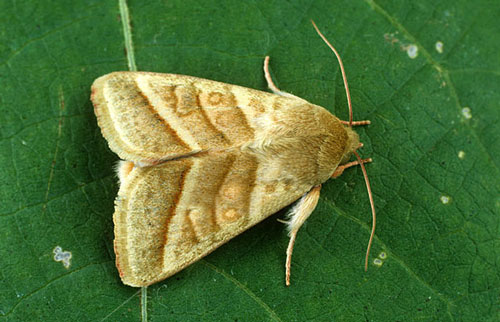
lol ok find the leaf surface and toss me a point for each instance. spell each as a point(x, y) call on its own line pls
point(434, 140)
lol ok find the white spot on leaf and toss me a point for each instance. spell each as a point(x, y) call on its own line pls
point(60, 256)
point(445, 199)
point(412, 51)
point(466, 112)
point(382, 255)
point(461, 154)
point(377, 262)
point(439, 47)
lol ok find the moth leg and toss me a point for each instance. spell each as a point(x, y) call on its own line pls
point(270, 82)
point(340, 169)
point(297, 216)
point(356, 123)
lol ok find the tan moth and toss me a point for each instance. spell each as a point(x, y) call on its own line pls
point(204, 161)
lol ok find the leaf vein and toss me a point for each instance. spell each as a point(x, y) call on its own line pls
point(245, 289)
point(127, 34)
point(48, 284)
point(437, 66)
point(387, 249)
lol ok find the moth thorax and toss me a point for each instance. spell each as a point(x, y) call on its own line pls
point(351, 145)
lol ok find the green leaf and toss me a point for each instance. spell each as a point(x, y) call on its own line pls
point(434, 140)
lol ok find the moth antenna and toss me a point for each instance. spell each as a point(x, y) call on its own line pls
point(341, 69)
point(372, 204)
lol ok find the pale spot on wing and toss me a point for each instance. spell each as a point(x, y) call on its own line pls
point(231, 215)
point(232, 191)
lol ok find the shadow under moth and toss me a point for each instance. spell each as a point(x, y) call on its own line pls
point(204, 161)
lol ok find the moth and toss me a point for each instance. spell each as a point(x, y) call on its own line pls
point(203, 161)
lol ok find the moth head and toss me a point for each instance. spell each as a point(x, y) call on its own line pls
point(351, 145)
point(335, 147)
